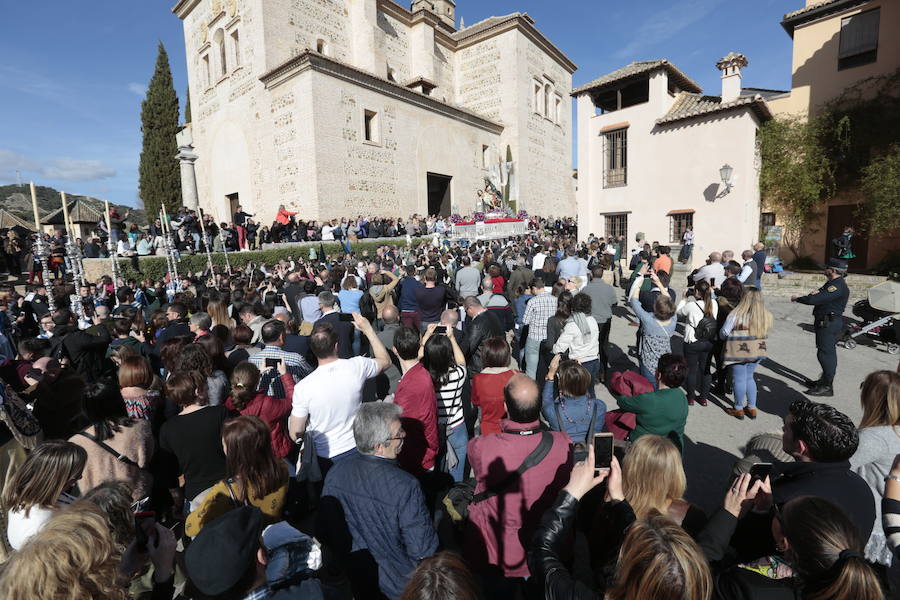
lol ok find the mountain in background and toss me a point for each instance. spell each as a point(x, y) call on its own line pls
point(17, 200)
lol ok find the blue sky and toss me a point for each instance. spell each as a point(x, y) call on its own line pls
point(73, 74)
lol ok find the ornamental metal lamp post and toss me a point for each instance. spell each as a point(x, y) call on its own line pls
point(726, 173)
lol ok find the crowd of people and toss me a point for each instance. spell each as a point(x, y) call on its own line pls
point(420, 422)
point(18, 253)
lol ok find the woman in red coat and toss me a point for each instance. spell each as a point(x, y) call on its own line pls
point(487, 386)
point(246, 400)
point(284, 215)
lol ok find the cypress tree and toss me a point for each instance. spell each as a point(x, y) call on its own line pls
point(187, 106)
point(160, 174)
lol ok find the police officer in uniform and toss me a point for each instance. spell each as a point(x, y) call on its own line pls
point(828, 302)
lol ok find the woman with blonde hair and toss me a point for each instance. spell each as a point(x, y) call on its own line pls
point(745, 333)
point(657, 560)
point(652, 482)
point(77, 556)
point(40, 487)
point(217, 310)
point(879, 443)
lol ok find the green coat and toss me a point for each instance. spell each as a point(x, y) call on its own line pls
point(662, 412)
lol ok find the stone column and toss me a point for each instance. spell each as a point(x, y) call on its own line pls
point(186, 157)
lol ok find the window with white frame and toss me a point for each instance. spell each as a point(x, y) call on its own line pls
point(859, 39)
point(615, 158)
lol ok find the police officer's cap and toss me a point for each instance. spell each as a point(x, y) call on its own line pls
point(837, 264)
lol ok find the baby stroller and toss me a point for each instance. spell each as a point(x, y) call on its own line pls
point(880, 314)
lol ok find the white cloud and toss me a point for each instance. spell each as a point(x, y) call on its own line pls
point(64, 169)
point(138, 89)
point(664, 25)
point(73, 169)
point(10, 162)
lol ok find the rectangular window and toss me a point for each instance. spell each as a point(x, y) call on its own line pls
point(616, 225)
point(538, 96)
point(236, 45)
point(859, 39)
point(205, 72)
point(557, 109)
point(615, 167)
point(370, 126)
point(485, 156)
point(678, 224)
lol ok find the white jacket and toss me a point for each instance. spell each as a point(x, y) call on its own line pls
point(691, 311)
point(581, 337)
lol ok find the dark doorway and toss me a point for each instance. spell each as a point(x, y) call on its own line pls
point(839, 217)
point(233, 203)
point(439, 195)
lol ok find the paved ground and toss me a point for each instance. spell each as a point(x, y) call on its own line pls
point(713, 439)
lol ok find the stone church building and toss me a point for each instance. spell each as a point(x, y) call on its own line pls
point(346, 107)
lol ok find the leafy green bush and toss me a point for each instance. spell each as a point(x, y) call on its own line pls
point(154, 267)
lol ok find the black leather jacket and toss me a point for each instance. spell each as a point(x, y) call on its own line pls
point(544, 559)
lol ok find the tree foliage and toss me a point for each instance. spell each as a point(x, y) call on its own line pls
point(881, 184)
point(160, 176)
point(796, 175)
point(807, 161)
point(187, 106)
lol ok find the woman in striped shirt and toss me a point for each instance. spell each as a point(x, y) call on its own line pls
point(446, 364)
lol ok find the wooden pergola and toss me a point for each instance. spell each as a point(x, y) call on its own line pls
point(84, 218)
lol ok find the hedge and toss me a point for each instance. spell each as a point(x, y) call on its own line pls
point(154, 267)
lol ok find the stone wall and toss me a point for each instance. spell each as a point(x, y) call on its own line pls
point(388, 176)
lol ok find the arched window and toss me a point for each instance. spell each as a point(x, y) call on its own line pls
point(322, 46)
point(219, 39)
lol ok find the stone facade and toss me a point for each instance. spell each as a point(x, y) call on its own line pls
point(344, 107)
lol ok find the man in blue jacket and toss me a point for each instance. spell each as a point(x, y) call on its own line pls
point(373, 517)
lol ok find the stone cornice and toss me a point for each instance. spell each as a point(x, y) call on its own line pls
point(442, 31)
point(184, 7)
point(525, 24)
point(309, 60)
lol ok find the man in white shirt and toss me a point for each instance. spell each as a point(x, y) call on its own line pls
point(713, 272)
point(325, 401)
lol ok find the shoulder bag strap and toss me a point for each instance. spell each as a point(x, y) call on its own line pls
point(533, 459)
point(120, 457)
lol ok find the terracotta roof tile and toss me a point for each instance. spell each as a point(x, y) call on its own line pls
point(639, 68)
point(688, 105)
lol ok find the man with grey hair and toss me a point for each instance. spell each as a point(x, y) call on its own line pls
point(373, 509)
point(748, 274)
point(200, 323)
point(713, 272)
point(343, 329)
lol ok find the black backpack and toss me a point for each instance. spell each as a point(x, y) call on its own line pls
point(706, 329)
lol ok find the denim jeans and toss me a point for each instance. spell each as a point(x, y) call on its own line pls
point(196, 237)
point(532, 353)
point(592, 367)
point(459, 439)
point(744, 385)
